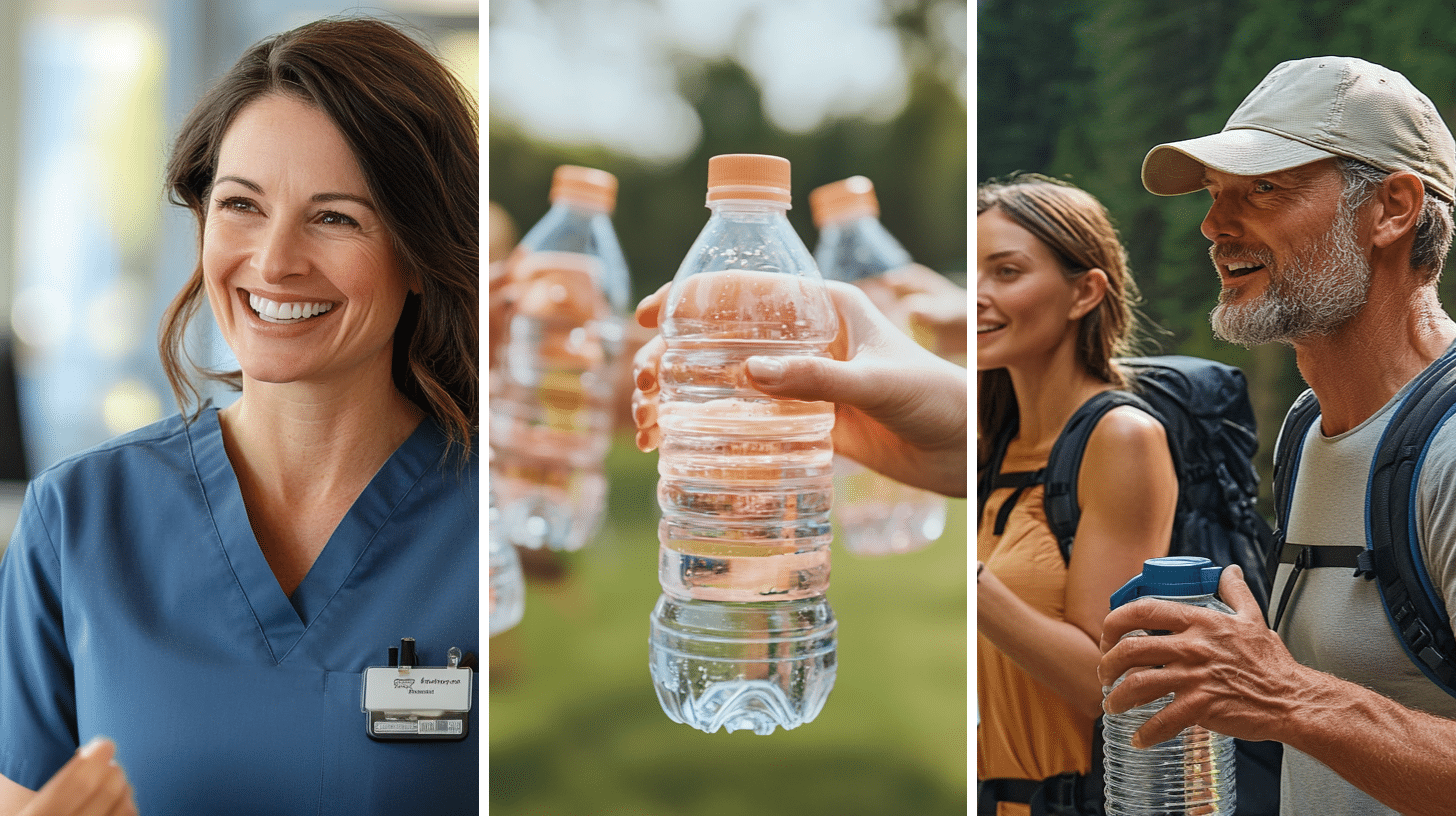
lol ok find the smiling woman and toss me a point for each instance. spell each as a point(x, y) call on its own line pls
point(1053, 307)
point(231, 574)
point(297, 263)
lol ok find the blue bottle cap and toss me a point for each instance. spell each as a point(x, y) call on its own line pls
point(1171, 576)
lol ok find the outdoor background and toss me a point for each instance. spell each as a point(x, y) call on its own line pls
point(1083, 90)
point(649, 90)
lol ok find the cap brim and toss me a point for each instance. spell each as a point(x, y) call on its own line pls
point(1177, 168)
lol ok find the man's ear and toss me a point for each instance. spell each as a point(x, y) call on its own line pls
point(1398, 203)
point(1091, 288)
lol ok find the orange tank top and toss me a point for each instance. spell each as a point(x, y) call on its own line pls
point(1026, 730)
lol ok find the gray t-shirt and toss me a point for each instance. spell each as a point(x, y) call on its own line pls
point(1334, 621)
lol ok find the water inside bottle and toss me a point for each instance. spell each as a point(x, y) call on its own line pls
point(742, 638)
point(1189, 774)
point(550, 425)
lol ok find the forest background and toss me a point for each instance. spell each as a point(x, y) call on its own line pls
point(1083, 90)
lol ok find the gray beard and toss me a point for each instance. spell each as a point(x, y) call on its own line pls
point(1324, 285)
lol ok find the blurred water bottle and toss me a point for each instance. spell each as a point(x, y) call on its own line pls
point(507, 587)
point(553, 385)
point(1193, 773)
point(742, 636)
point(874, 514)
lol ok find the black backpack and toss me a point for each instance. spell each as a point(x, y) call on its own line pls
point(1205, 410)
point(1204, 407)
point(1391, 555)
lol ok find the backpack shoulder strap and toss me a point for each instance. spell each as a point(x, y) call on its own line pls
point(986, 472)
point(1065, 464)
point(1416, 610)
point(1297, 422)
point(1287, 454)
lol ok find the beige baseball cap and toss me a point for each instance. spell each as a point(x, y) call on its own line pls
point(1312, 109)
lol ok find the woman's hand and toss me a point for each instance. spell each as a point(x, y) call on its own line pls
point(900, 409)
point(90, 784)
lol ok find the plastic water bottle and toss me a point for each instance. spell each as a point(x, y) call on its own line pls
point(1193, 773)
point(507, 586)
point(742, 637)
point(874, 514)
point(555, 379)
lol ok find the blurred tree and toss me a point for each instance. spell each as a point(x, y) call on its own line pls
point(1028, 78)
point(1111, 80)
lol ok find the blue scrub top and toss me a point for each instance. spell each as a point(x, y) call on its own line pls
point(135, 603)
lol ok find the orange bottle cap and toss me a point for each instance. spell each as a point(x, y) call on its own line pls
point(586, 186)
point(848, 198)
point(748, 175)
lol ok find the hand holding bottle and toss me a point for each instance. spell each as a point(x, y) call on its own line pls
point(932, 304)
point(901, 410)
point(90, 784)
point(558, 307)
point(1230, 673)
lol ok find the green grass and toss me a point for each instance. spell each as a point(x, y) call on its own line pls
point(575, 727)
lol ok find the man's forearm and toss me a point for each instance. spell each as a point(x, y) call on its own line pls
point(1404, 758)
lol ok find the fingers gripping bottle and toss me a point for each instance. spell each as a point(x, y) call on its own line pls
point(1193, 773)
point(553, 384)
point(874, 514)
point(742, 636)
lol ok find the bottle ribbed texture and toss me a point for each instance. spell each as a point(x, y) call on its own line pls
point(1193, 773)
point(743, 637)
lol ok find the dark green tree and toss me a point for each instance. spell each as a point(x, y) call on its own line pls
point(1143, 72)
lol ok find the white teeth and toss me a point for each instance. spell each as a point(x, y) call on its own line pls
point(275, 312)
point(985, 327)
point(1235, 266)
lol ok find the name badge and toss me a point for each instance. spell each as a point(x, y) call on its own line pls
point(417, 702)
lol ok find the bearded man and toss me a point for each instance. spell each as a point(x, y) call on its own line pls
point(1330, 218)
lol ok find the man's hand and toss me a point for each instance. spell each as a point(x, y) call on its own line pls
point(1228, 673)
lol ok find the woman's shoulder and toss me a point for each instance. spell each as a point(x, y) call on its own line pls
point(166, 439)
point(1124, 436)
point(1128, 423)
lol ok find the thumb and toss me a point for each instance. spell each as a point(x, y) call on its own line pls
point(100, 747)
point(1236, 593)
point(648, 313)
point(802, 378)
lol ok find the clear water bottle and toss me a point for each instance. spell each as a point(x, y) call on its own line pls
point(554, 380)
point(742, 637)
point(1193, 773)
point(507, 586)
point(874, 514)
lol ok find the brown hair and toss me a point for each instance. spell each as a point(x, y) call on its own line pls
point(1077, 229)
point(413, 129)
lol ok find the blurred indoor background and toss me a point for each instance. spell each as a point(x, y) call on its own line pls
point(91, 92)
point(649, 90)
